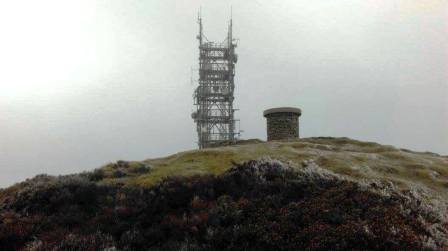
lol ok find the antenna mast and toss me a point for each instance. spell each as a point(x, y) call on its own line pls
point(214, 115)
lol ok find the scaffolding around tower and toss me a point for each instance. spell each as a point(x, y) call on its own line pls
point(213, 98)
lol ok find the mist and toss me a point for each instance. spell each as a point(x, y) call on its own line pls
point(90, 82)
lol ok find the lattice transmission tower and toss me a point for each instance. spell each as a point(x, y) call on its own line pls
point(213, 98)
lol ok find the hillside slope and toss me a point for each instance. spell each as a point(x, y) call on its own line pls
point(312, 194)
point(356, 159)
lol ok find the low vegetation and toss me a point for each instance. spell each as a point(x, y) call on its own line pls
point(258, 205)
point(320, 194)
point(356, 159)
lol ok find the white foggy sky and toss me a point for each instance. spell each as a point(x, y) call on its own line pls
point(83, 83)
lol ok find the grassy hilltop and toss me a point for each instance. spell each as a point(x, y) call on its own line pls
point(312, 194)
point(355, 159)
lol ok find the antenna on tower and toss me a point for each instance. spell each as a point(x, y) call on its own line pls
point(231, 13)
point(199, 37)
point(229, 34)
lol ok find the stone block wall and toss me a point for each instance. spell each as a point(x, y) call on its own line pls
point(282, 126)
point(282, 123)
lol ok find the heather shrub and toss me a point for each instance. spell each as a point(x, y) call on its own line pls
point(96, 175)
point(139, 167)
point(96, 241)
point(257, 205)
point(118, 174)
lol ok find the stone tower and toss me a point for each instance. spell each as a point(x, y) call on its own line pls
point(282, 123)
